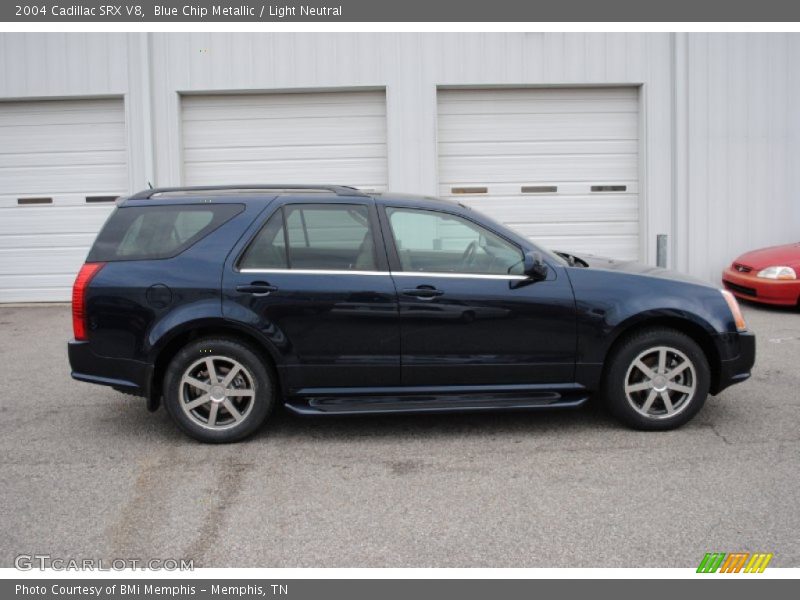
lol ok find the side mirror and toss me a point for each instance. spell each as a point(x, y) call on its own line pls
point(535, 267)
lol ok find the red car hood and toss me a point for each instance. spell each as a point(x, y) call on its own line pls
point(787, 255)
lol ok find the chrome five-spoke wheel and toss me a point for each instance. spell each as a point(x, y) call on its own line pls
point(660, 382)
point(217, 392)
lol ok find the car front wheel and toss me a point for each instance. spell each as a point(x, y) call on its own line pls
point(218, 390)
point(657, 379)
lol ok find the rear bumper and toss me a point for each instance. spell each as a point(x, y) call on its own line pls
point(741, 352)
point(130, 376)
point(757, 289)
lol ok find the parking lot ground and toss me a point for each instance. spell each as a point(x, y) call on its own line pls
point(86, 472)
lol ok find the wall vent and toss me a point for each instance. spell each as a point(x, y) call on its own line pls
point(609, 188)
point(539, 189)
point(100, 199)
point(29, 201)
point(469, 190)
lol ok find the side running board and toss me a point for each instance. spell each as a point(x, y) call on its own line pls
point(415, 400)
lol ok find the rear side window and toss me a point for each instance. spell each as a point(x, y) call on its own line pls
point(322, 237)
point(151, 232)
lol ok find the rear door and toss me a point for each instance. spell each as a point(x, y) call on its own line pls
point(314, 279)
point(468, 314)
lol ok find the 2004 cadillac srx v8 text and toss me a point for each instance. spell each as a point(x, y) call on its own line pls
point(221, 302)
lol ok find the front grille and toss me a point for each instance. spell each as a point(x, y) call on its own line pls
point(742, 268)
point(747, 291)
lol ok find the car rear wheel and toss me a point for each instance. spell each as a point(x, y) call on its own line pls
point(657, 379)
point(218, 390)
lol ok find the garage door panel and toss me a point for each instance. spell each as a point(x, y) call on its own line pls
point(539, 148)
point(296, 152)
point(64, 240)
point(510, 190)
point(9, 292)
point(63, 150)
point(522, 106)
point(494, 128)
point(288, 110)
point(536, 158)
point(306, 171)
point(50, 261)
point(64, 138)
point(552, 209)
point(50, 180)
point(287, 132)
point(625, 96)
point(523, 169)
point(52, 220)
point(611, 246)
point(577, 228)
point(46, 114)
point(59, 200)
point(331, 134)
point(313, 99)
point(330, 137)
point(78, 158)
point(41, 268)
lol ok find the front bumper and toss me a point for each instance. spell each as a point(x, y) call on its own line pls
point(125, 375)
point(757, 289)
point(740, 348)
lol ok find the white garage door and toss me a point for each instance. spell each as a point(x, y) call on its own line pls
point(336, 137)
point(62, 163)
point(559, 165)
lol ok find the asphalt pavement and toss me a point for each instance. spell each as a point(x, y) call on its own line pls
point(86, 472)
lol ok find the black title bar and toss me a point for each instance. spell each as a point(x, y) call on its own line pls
point(223, 11)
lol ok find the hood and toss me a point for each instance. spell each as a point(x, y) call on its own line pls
point(787, 255)
point(634, 268)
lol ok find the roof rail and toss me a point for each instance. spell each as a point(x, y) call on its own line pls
point(339, 190)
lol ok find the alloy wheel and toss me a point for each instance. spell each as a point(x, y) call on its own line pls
point(217, 392)
point(660, 382)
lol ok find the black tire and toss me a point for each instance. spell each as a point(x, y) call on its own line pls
point(646, 345)
point(256, 376)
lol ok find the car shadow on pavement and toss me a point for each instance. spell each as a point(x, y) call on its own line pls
point(284, 424)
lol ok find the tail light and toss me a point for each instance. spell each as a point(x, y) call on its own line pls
point(85, 275)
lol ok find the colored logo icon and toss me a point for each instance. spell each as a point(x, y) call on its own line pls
point(734, 562)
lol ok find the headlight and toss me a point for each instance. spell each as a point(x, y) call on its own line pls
point(778, 273)
point(735, 310)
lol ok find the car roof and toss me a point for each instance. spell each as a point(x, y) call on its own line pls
point(259, 192)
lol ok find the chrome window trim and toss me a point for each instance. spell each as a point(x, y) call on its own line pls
point(315, 271)
point(392, 273)
point(458, 275)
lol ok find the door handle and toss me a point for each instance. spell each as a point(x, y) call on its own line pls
point(424, 292)
point(257, 288)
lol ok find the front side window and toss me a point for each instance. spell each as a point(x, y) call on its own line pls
point(436, 242)
point(322, 237)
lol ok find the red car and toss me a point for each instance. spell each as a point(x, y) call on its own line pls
point(768, 275)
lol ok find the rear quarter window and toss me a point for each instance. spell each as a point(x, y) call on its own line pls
point(152, 232)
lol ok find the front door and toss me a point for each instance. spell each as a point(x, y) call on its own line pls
point(468, 314)
point(314, 281)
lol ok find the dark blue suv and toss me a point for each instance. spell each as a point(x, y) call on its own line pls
point(222, 302)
